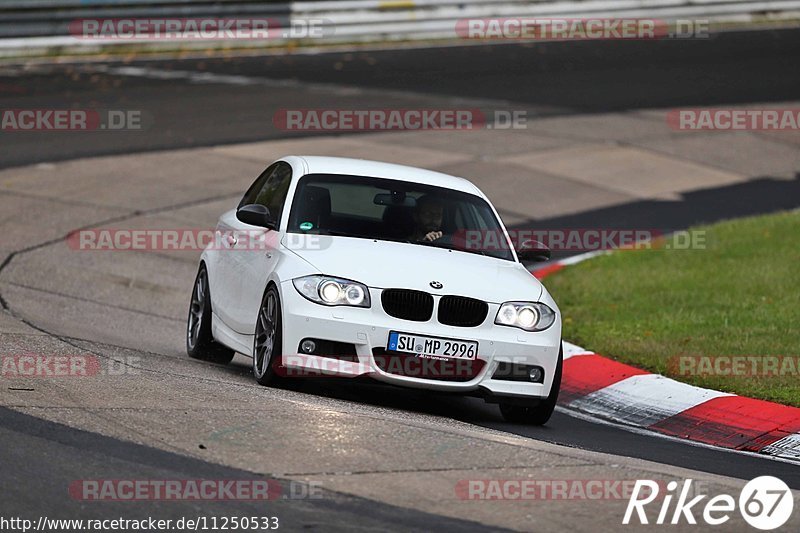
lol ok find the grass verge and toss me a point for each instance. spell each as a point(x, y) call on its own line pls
point(663, 309)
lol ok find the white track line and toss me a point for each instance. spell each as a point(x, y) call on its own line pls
point(229, 79)
point(788, 447)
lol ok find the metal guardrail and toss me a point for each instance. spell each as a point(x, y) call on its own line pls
point(46, 23)
point(432, 19)
point(54, 21)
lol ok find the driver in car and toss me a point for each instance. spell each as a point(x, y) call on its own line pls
point(428, 214)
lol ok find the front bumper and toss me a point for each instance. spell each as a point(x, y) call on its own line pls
point(368, 329)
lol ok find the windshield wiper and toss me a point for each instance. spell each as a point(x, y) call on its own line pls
point(333, 233)
point(396, 239)
point(434, 244)
point(450, 246)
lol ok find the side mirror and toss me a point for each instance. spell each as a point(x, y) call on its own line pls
point(256, 215)
point(533, 252)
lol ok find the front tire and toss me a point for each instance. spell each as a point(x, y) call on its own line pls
point(267, 340)
point(199, 342)
point(539, 414)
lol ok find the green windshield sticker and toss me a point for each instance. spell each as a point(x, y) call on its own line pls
point(305, 226)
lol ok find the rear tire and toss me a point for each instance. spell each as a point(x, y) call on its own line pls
point(536, 415)
point(267, 339)
point(199, 342)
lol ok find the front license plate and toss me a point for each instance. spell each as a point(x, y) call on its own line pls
point(432, 346)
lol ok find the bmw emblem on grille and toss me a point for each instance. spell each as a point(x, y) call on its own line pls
point(436, 285)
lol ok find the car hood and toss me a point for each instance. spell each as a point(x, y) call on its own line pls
point(384, 264)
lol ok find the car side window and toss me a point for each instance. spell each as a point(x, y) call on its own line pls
point(252, 192)
point(270, 189)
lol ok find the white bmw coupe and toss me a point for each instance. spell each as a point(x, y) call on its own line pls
point(344, 267)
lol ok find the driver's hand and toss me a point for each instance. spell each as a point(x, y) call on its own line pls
point(432, 236)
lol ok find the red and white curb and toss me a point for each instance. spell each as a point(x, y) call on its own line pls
point(602, 388)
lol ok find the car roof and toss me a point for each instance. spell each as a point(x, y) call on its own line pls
point(376, 169)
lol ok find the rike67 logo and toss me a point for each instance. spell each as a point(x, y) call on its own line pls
point(765, 503)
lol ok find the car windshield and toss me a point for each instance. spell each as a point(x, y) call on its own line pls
point(393, 210)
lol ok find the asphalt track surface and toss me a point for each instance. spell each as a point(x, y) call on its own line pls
point(543, 79)
point(48, 456)
point(566, 430)
point(549, 79)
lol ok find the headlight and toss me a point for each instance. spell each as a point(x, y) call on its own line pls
point(327, 290)
point(525, 315)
